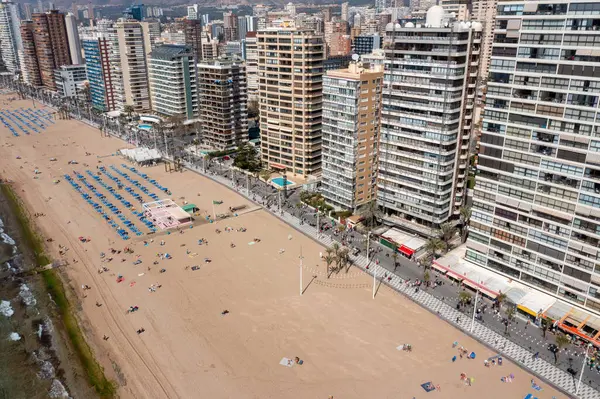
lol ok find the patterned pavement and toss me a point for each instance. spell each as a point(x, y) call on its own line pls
point(523, 357)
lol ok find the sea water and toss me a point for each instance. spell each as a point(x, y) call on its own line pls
point(27, 360)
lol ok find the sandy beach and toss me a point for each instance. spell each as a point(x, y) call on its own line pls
point(189, 349)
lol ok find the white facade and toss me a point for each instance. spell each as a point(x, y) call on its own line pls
point(192, 12)
point(10, 35)
point(69, 79)
point(73, 36)
point(172, 77)
point(536, 205)
point(427, 122)
point(251, 53)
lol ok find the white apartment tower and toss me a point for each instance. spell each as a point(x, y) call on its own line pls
point(134, 45)
point(251, 57)
point(10, 35)
point(536, 206)
point(74, 42)
point(290, 64)
point(352, 103)
point(173, 81)
point(427, 121)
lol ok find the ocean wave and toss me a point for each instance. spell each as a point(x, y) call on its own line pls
point(57, 390)
point(6, 238)
point(5, 309)
point(27, 296)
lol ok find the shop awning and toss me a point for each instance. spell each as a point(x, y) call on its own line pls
point(454, 275)
point(406, 250)
point(527, 310)
point(438, 268)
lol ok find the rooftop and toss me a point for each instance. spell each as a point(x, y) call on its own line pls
point(170, 51)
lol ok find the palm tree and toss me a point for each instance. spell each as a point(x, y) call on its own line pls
point(370, 212)
point(395, 258)
point(465, 216)
point(432, 247)
point(510, 312)
point(426, 278)
point(129, 110)
point(342, 258)
point(265, 174)
point(500, 299)
point(447, 232)
point(561, 342)
point(464, 297)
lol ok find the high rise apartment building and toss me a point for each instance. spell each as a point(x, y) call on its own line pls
point(100, 57)
point(69, 80)
point(210, 47)
point(193, 36)
point(173, 82)
point(73, 37)
point(352, 104)
point(230, 26)
point(51, 45)
point(223, 102)
point(344, 12)
point(484, 11)
point(536, 206)
point(251, 58)
point(10, 35)
point(426, 125)
point(365, 44)
point(460, 10)
point(290, 68)
point(134, 45)
point(30, 69)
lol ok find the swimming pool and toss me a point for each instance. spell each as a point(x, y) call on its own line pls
point(144, 127)
point(279, 181)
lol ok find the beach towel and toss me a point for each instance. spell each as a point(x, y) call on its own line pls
point(286, 362)
point(428, 386)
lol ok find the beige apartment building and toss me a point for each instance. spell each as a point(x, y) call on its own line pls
point(352, 105)
point(290, 73)
point(134, 45)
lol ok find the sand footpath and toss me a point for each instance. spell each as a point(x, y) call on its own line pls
point(189, 349)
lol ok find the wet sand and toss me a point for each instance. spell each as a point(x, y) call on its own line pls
point(347, 340)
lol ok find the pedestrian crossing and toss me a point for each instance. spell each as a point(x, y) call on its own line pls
point(482, 333)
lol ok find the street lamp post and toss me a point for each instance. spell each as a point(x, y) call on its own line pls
point(301, 283)
point(474, 310)
point(587, 349)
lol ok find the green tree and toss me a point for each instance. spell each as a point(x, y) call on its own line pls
point(561, 342)
point(265, 174)
point(432, 247)
point(395, 259)
point(129, 110)
point(426, 278)
point(370, 212)
point(510, 312)
point(464, 297)
point(501, 298)
point(465, 217)
point(247, 158)
point(447, 233)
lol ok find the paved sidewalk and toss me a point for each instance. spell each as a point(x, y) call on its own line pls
point(523, 357)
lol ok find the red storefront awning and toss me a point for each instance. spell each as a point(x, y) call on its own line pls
point(406, 250)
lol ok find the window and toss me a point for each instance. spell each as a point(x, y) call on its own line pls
point(476, 257)
point(554, 204)
point(547, 239)
point(561, 167)
point(521, 158)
